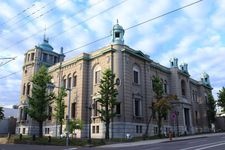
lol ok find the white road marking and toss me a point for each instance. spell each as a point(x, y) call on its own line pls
point(206, 147)
point(198, 146)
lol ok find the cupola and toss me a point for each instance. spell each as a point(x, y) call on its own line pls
point(117, 33)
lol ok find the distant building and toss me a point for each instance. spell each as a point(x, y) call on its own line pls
point(8, 124)
point(134, 71)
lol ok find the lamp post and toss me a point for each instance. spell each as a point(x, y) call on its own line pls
point(68, 118)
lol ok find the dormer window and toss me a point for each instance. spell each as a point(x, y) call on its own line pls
point(117, 34)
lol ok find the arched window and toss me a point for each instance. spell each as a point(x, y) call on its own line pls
point(28, 88)
point(165, 86)
point(97, 74)
point(183, 88)
point(24, 88)
point(74, 79)
point(64, 82)
point(69, 81)
point(136, 74)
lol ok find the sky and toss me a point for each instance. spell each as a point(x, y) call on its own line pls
point(194, 34)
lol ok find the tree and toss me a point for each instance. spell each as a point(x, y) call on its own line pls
point(41, 98)
point(60, 108)
point(162, 102)
point(75, 124)
point(1, 113)
point(107, 99)
point(221, 98)
point(211, 109)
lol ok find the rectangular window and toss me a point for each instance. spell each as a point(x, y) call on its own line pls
point(24, 130)
point(196, 117)
point(28, 57)
point(55, 60)
point(117, 34)
point(44, 57)
point(137, 129)
point(46, 130)
point(32, 56)
point(74, 80)
point(49, 113)
point(93, 129)
point(118, 108)
point(97, 129)
point(137, 107)
point(140, 129)
point(136, 77)
point(73, 108)
point(97, 77)
point(28, 89)
point(95, 108)
point(51, 58)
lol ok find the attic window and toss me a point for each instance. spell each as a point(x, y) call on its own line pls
point(117, 34)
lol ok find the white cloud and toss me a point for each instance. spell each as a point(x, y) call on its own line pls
point(194, 35)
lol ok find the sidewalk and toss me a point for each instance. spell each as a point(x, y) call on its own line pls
point(146, 142)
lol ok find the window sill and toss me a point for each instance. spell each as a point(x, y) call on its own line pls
point(136, 84)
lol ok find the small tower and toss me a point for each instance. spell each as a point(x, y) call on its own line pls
point(205, 79)
point(174, 62)
point(117, 33)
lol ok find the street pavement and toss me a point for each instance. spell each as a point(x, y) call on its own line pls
point(214, 141)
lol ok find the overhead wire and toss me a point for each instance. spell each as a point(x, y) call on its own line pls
point(52, 25)
point(18, 14)
point(133, 26)
point(138, 24)
point(92, 17)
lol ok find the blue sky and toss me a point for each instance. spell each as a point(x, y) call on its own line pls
point(194, 35)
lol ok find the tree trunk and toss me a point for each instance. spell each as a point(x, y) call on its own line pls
point(107, 130)
point(159, 125)
point(60, 128)
point(40, 129)
point(147, 127)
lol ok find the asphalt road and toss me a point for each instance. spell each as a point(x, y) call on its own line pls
point(203, 143)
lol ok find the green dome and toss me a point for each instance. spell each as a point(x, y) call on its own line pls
point(45, 46)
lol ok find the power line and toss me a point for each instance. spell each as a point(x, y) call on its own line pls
point(151, 19)
point(9, 75)
point(10, 59)
point(90, 18)
point(38, 32)
point(23, 11)
point(133, 26)
point(33, 13)
point(172, 11)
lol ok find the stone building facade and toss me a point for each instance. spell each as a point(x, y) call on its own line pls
point(134, 72)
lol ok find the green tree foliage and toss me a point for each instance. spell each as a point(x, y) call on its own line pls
point(41, 98)
point(211, 109)
point(1, 113)
point(75, 124)
point(221, 98)
point(107, 99)
point(60, 108)
point(162, 102)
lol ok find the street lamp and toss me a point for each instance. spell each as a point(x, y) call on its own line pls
point(52, 86)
